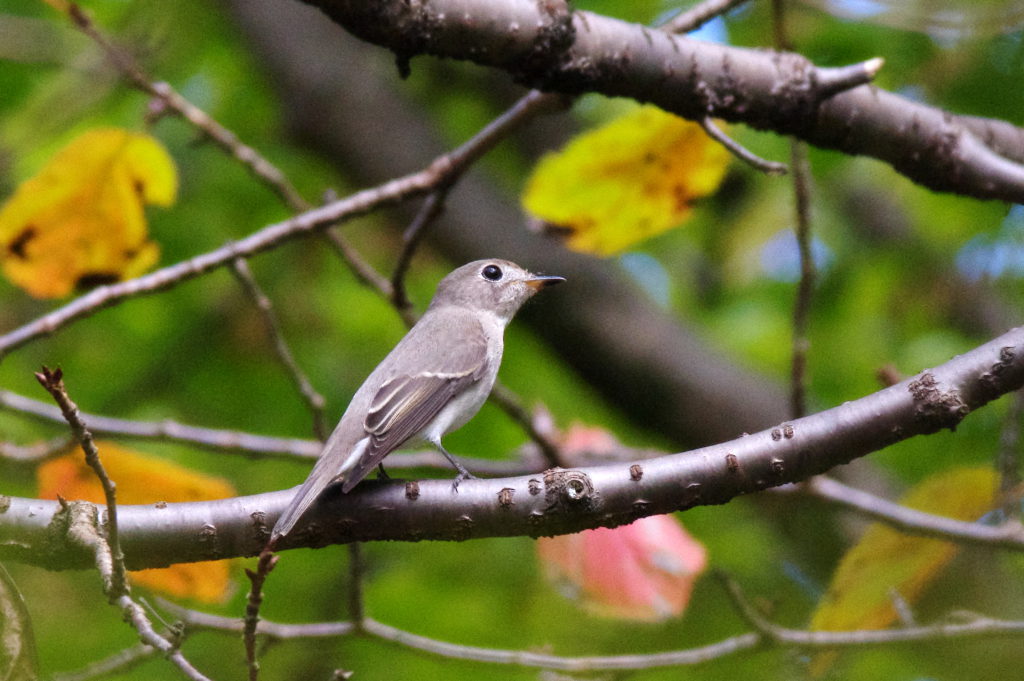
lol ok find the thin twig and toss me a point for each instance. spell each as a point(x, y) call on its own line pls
point(741, 152)
point(1008, 459)
point(171, 431)
point(363, 270)
point(432, 207)
point(1009, 535)
point(52, 381)
point(512, 404)
point(440, 171)
point(37, 453)
point(83, 528)
point(802, 197)
point(313, 399)
point(264, 565)
point(976, 626)
point(767, 634)
point(356, 610)
point(523, 658)
point(238, 442)
point(698, 15)
point(118, 663)
point(172, 101)
point(805, 288)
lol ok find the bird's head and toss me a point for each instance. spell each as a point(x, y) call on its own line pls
point(497, 286)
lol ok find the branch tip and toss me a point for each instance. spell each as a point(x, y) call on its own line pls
point(873, 66)
point(741, 152)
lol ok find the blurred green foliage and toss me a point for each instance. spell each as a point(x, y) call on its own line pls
point(198, 353)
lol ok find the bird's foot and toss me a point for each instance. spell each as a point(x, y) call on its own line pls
point(463, 475)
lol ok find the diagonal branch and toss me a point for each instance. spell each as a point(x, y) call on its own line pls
point(440, 171)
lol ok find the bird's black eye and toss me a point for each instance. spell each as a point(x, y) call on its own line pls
point(491, 272)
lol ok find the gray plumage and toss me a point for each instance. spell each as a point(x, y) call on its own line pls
point(431, 383)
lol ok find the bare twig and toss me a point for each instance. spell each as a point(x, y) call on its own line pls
point(235, 442)
point(698, 15)
point(52, 381)
point(36, 453)
point(119, 662)
point(1010, 535)
point(432, 207)
point(363, 270)
point(805, 288)
point(1008, 459)
point(171, 431)
point(265, 564)
point(766, 634)
point(741, 152)
point(172, 101)
point(976, 626)
point(313, 399)
point(441, 171)
point(356, 610)
point(523, 658)
point(802, 193)
point(82, 526)
point(83, 529)
point(512, 404)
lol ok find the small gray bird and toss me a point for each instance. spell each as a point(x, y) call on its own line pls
point(433, 382)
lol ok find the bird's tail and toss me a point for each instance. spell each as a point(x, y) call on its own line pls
point(329, 468)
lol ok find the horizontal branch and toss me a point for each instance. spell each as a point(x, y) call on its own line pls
point(196, 620)
point(555, 502)
point(169, 430)
point(766, 634)
point(550, 47)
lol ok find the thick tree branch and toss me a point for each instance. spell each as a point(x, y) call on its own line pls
point(551, 47)
point(556, 502)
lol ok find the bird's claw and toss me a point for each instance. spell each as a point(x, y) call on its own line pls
point(463, 475)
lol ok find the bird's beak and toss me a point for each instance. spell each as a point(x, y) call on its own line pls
point(537, 283)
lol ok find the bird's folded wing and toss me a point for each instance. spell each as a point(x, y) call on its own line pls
point(407, 403)
point(423, 383)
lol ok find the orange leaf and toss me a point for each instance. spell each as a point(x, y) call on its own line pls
point(80, 221)
point(144, 479)
point(885, 560)
point(631, 179)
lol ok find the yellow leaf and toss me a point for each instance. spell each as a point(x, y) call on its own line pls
point(886, 562)
point(144, 479)
point(631, 179)
point(80, 221)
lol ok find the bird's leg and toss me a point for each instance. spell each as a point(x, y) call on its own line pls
point(463, 473)
point(381, 473)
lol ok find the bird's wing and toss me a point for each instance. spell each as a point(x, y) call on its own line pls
point(419, 386)
point(407, 402)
